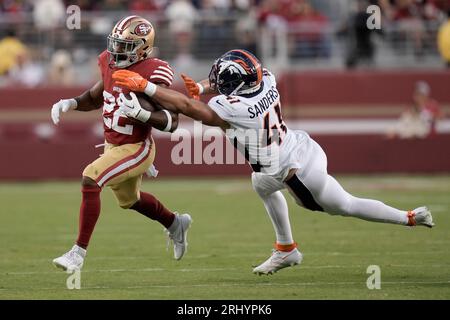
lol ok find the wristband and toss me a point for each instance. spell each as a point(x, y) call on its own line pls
point(143, 115)
point(73, 103)
point(150, 89)
point(169, 121)
point(200, 88)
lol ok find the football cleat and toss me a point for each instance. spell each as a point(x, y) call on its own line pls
point(421, 217)
point(71, 260)
point(179, 235)
point(279, 260)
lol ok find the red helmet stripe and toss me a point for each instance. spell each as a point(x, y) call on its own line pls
point(125, 21)
point(117, 24)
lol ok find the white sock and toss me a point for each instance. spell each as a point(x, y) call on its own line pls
point(374, 210)
point(336, 200)
point(277, 209)
point(174, 225)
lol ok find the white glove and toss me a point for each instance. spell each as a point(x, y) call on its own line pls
point(62, 105)
point(132, 108)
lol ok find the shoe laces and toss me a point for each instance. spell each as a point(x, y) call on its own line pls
point(275, 255)
point(170, 239)
point(71, 255)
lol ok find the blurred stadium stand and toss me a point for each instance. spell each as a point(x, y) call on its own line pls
point(342, 83)
point(287, 34)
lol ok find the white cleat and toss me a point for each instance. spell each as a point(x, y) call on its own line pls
point(179, 235)
point(420, 217)
point(279, 260)
point(71, 260)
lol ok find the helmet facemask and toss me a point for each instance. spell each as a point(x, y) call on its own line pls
point(122, 52)
point(224, 78)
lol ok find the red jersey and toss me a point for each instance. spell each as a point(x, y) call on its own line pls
point(118, 128)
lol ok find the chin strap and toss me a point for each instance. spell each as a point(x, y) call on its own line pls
point(237, 89)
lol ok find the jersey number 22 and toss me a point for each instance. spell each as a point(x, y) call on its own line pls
point(112, 120)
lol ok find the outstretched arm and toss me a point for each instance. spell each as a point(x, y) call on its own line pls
point(170, 99)
point(89, 100)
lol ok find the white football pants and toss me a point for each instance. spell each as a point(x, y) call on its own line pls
point(313, 188)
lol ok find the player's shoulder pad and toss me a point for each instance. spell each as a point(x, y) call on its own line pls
point(161, 71)
point(270, 75)
point(102, 57)
point(224, 106)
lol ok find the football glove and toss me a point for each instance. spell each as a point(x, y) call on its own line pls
point(131, 80)
point(192, 87)
point(132, 108)
point(62, 105)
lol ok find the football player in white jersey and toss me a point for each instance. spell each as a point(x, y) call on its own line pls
point(248, 110)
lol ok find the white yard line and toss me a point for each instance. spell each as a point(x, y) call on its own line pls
point(262, 255)
point(246, 285)
point(56, 271)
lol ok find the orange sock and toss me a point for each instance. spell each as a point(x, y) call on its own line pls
point(285, 247)
point(411, 218)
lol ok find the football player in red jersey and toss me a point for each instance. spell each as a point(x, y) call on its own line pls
point(129, 148)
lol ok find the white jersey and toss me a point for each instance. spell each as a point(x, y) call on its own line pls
point(258, 130)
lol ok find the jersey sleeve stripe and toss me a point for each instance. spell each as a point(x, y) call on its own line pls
point(164, 73)
point(166, 69)
point(158, 76)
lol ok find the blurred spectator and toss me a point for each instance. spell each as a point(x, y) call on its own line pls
point(84, 5)
point(10, 50)
point(246, 32)
point(61, 71)
point(112, 5)
point(26, 72)
point(182, 16)
point(15, 6)
point(48, 14)
point(420, 120)
point(309, 30)
point(409, 22)
point(272, 13)
point(142, 5)
point(360, 47)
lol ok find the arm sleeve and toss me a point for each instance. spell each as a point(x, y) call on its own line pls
point(223, 109)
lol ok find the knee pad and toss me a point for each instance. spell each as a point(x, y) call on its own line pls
point(265, 185)
point(256, 183)
point(341, 208)
point(90, 171)
point(126, 205)
point(125, 197)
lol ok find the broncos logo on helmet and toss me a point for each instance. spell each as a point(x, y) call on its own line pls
point(236, 72)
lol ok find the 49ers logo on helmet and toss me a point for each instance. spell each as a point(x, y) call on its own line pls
point(142, 29)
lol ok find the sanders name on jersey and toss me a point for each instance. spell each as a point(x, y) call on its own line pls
point(264, 104)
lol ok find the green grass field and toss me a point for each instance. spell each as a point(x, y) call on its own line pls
point(231, 232)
